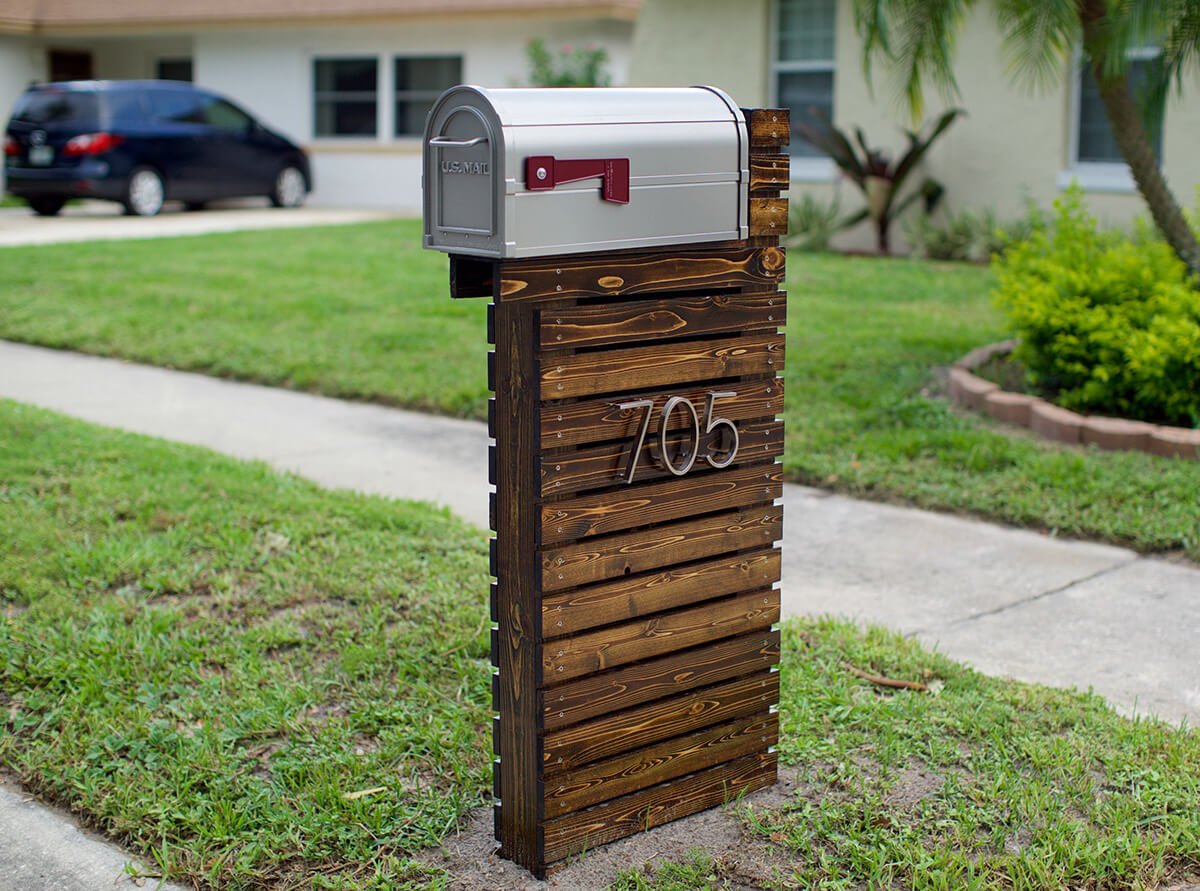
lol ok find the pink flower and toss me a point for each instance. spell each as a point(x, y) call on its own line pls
point(568, 48)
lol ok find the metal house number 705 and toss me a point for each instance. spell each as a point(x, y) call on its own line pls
point(711, 423)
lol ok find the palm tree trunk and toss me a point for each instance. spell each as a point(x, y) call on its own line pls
point(1129, 131)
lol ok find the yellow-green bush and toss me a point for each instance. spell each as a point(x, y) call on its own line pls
point(1107, 324)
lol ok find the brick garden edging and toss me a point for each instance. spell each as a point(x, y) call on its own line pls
point(1051, 422)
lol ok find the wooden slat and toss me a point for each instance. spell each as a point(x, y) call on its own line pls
point(600, 559)
point(657, 805)
point(629, 598)
point(579, 423)
point(656, 635)
point(631, 685)
point(516, 646)
point(641, 505)
point(582, 743)
point(768, 216)
point(623, 273)
point(769, 173)
point(682, 363)
point(664, 761)
point(768, 126)
point(608, 464)
point(641, 320)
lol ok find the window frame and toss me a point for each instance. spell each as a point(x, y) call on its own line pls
point(803, 169)
point(395, 94)
point(315, 97)
point(1096, 176)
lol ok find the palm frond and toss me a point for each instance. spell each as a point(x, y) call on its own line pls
point(1039, 38)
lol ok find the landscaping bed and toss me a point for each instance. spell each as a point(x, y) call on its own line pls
point(362, 312)
point(260, 684)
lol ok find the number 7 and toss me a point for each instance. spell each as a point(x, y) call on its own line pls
point(648, 405)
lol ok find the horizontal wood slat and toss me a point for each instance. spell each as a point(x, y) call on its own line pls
point(613, 371)
point(624, 273)
point(604, 737)
point(641, 505)
point(599, 559)
point(657, 805)
point(641, 320)
point(664, 761)
point(629, 598)
point(631, 685)
point(608, 465)
point(768, 216)
point(580, 423)
point(769, 173)
point(768, 127)
point(594, 651)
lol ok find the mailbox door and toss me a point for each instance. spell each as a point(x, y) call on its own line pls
point(463, 181)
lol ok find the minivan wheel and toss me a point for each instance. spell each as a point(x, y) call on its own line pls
point(46, 205)
point(290, 188)
point(144, 194)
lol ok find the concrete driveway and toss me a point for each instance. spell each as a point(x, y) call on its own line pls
point(102, 220)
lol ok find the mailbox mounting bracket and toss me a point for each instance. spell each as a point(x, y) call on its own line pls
point(544, 172)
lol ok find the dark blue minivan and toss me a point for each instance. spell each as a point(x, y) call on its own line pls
point(142, 143)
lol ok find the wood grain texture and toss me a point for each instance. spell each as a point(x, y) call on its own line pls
point(580, 423)
point(620, 322)
point(768, 126)
point(660, 502)
point(631, 597)
point(769, 173)
point(606, 648)
point(589, 741)
point(625, 273)
point(657, 805)
point(658, 763)
point(642, 682)
point(768, 216)
point(516, 645)
point(600, 559)
point(607, 465)
point(681, 363)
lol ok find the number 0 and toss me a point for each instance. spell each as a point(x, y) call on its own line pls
point(662, 435)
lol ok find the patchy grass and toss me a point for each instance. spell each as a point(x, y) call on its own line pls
point(204, 657)
point(361, 312)
point(258, 683)
point(979, 784)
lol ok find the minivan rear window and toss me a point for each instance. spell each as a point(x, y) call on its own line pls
point(58, 108)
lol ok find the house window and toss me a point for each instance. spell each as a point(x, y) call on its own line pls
point(1096, 161)
point(174, 69)
point(418, 83)
point(804, 63)
point(346, 97)
point(1094, 136)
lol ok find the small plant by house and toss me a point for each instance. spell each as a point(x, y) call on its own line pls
point(879, 177)
point(569, 66)
point(1108, 324)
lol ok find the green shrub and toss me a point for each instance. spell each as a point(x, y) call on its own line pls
point(969, 235)
point(571, 66)
point(1107, 324)
point(812, 223)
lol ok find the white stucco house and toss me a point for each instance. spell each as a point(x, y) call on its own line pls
point(352, 79)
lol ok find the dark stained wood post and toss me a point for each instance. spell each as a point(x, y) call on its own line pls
point(634, 553)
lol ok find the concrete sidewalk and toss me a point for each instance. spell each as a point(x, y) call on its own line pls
point(1008, 601)
point(104, 221)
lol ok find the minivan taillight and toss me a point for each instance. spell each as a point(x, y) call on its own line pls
point(91, 144)
point(11, 149)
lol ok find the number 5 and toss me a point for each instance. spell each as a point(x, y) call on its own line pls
point(712, 423)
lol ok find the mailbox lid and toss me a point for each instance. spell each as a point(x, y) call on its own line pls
point(477, 142)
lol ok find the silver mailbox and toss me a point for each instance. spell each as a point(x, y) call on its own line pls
point(537, 172)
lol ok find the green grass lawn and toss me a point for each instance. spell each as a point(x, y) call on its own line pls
point(362, 312)
point(258, 683)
